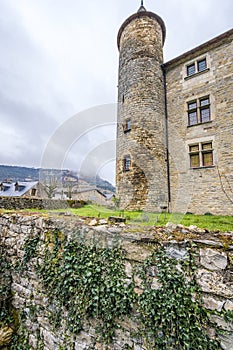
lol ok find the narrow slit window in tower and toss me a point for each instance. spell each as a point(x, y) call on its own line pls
point(127, 163)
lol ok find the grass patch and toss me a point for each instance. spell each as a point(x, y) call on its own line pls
point(213, 223)
point(210, 222)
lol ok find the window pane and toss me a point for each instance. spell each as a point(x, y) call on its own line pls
point(192, 118)
point(192, 105)
point(128, 124)
point(194, 148)
point(204, 101)
point(191, 69)
point(127, 163)
point(194, 160)
point(206, 146)
point(205, 115)
point(201, 65)
point(207, 158)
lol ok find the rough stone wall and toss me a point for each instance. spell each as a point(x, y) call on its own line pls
point(214, 273)
point(141, 100)
point(18, 203)
point(209, 189)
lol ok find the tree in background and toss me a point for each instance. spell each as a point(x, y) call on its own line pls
point(49, 186)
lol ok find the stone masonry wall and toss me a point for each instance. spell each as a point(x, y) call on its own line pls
point(203, 189)
point(18, 203)
point(214, 274)
point(141, 102)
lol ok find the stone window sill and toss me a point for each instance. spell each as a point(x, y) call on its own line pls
point(204, 123)
point(196, 74)
point(203, 167)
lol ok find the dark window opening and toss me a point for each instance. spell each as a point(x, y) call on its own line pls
point(191, 69)
point(192, 113)
point(199, 111)
point(127, 163)
point(196, 67)
point(33, 192)
point(204, 110)
point(201, 65)
point(127, 125)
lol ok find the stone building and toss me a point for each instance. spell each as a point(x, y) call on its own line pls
point(175, 122)
point(19, 189)
point(93, 195)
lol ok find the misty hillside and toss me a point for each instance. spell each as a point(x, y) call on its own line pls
point(17, 173)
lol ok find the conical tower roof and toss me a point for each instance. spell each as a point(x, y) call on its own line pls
point(141, 8)
point(141, 13)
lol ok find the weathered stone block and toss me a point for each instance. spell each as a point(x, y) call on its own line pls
point(226, 341)
point(227, 326)
point(213, 260)
point(213, 282)
point(213, 304)
point(177, 252)
point(228, 306)
point(135, 252)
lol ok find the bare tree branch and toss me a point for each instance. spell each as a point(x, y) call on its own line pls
point(223, 188)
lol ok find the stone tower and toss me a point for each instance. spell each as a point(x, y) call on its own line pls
point(141, 169)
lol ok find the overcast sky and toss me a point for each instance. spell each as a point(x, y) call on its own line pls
point(59, 58)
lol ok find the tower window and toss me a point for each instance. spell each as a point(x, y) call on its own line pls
point(127, 163)
point(199, 111)
point(127, 125)
point(201, 155)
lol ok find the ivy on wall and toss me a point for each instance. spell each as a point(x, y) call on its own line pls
point(5, 290)
point(86, 282)
point(91, 284)
point(172, 315)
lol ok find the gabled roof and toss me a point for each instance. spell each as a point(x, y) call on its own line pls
point(9, 189)
point(82, 190)
point(110, 196)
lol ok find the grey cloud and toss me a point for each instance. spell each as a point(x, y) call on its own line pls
point(67, 62)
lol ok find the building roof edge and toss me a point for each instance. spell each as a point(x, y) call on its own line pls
point(216, 41)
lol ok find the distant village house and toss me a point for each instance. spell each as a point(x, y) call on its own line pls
point(19, 189)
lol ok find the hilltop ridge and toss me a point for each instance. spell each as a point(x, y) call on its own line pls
point(18, 173)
